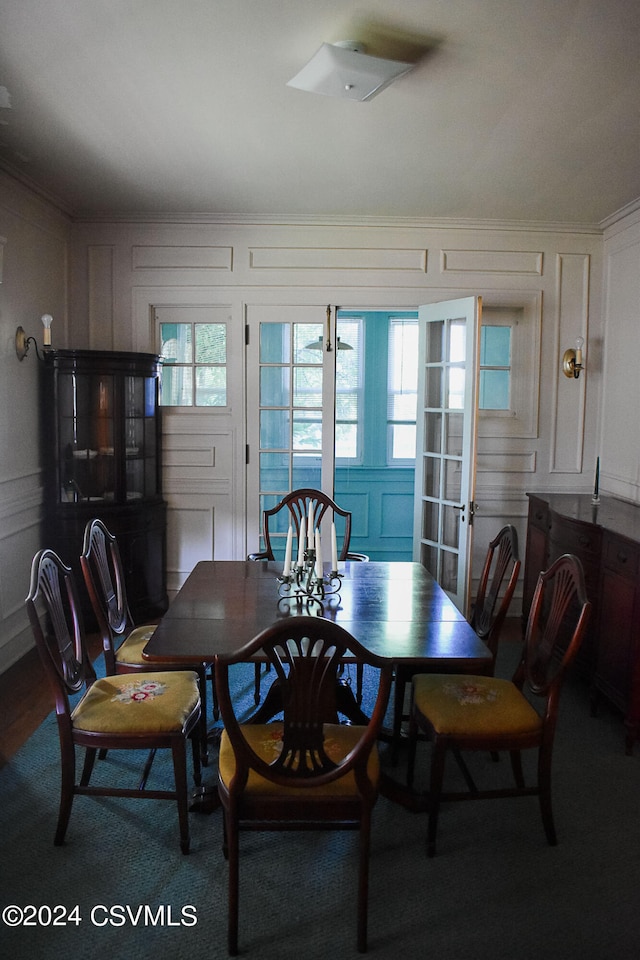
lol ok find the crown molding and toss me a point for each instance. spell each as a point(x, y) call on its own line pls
point(624, 217)
point(415, 223)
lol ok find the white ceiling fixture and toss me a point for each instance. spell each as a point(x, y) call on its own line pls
point(345, 70)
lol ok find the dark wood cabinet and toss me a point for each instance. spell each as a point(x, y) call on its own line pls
point(606, 537)
point(102, 443)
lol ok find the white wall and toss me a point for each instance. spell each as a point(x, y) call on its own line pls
point(34, 281)
point(620, 443)
point(122, 270)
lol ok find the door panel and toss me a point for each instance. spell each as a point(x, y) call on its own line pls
point(290, 422)
point(445, 462)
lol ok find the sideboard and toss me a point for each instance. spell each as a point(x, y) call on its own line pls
point(606, 538)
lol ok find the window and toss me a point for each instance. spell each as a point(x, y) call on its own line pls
point(495, 368)
point(194, 371)
point(402, 389)
point(349, 382)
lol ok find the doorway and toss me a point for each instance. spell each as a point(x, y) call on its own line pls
point(375, 451)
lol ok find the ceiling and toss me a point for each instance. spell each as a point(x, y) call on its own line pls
point(514, 110)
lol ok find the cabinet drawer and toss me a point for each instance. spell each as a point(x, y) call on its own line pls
point(621, 556)
point(574, 537)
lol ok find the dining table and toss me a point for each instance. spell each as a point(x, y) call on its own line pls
point(396, 609)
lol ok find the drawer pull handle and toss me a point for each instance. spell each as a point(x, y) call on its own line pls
point(584, 541)
point(622, 558)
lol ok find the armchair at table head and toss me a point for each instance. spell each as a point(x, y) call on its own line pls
point(297, 503)
point(296, 506)
point(123, 642)
point(159, 710)
point(307, 771)
point(501, 564)
point(467, 713)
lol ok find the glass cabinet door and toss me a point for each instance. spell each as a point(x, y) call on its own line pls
point(107, 436)
point(86, 437)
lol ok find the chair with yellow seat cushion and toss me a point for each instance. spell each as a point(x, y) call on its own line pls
point(470, 713)
point(123, 641)
point(124, 711)
point(306, 771)
point(495, 592)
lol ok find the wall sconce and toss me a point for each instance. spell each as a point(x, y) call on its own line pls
point(572, 360)
point(23, 341)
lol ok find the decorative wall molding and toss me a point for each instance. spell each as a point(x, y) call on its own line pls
point(181, 257)
point(571, 321)
point(333, 258)
point(522, 262)
point(100, 295)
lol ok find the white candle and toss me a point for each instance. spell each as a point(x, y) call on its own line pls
point(287, 554)
point(334, 548)
point(301, 537)
point(310, 527)
point(318, 555)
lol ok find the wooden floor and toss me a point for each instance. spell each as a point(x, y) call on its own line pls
point(26, 699)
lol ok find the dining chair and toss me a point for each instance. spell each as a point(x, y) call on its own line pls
point(493, 599)
point(306, 771)
point(154, 711)
point(296, 506)
point(471, 713)
point(123, 641)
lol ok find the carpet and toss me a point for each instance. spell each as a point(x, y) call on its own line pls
point(120, 887)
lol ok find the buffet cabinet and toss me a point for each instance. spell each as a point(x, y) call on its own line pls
point(606, 538)
point(101, 443)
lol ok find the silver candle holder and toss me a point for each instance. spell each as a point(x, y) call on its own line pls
point(304, 584)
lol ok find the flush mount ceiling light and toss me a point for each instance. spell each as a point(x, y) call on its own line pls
point(344, 70)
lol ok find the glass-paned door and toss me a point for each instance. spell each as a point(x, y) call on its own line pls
point(446, 442)
point(291, 410)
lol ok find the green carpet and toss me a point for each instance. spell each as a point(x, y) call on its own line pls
point(494, 890)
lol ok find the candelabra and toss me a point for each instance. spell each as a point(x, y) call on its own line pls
point(307, 582)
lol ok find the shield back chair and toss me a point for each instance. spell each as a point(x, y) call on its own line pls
point(471, 713)
point(123, 641)
point(493, 599)
point(306, 771)
point(159, 710)
point(297, 503)
point(291, 510)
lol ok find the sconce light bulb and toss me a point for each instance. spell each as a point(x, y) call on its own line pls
point(47, 320)
point(579, 343)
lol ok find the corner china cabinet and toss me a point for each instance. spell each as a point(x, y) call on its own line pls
point(101, 439)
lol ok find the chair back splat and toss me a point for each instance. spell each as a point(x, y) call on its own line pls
point(305, 771)
point(162, 710)
point(501, 565)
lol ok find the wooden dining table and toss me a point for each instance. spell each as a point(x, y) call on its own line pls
point(395, 609)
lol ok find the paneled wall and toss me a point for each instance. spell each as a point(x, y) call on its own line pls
point(33, 274)
point(122, 272)
point(620, 444)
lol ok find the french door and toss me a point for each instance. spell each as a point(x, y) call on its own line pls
point(290, 409)
point(446, 442)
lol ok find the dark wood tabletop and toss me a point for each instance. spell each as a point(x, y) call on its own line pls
point(396, 609)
